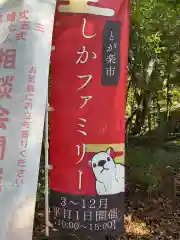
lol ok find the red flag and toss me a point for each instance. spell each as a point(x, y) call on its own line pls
point(88, 89)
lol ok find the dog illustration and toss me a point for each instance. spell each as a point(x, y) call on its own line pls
point(109, 175)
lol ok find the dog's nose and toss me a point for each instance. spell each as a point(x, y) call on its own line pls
point(101, 163)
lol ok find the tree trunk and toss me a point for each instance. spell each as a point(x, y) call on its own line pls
point(141, 114)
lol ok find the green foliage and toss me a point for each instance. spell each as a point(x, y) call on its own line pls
point(151, 168)
point(154, 63)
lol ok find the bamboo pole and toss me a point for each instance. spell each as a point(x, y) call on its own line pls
point(46, 147)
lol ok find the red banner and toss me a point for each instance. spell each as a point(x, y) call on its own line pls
point(88, 89)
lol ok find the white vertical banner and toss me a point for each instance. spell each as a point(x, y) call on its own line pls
point(25, 44)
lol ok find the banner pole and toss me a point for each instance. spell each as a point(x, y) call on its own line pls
point(46, 147)
point(47, 166)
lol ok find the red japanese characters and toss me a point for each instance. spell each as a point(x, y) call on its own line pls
point(26, 124)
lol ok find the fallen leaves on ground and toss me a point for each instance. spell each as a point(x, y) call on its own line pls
point(151, 218)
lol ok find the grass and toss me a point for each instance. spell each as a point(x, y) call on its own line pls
point(150, 169)
point(152, 208)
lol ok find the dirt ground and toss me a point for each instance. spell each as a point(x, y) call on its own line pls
point(151, 217)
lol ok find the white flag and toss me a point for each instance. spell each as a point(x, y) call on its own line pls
point(25, 45)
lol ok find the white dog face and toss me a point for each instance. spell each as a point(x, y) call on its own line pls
point(103, 166)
